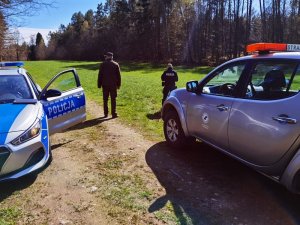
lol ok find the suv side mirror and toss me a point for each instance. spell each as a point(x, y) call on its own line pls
point(51, 93)
point(192, 86)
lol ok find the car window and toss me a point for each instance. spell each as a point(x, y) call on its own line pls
point(64, 82)
point(224, 81)
point(14, 87)
point(270, 80)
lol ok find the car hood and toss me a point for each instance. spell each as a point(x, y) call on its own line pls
point(17, 117)
point(180, 94)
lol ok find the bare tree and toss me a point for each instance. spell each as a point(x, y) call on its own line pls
point(11, 12)
point(3, 29)
point(10, 8)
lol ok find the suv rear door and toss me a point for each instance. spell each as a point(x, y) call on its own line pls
point(69, 108)
point(265, 123)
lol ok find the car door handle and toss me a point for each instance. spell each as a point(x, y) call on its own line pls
point(283, 119)
point(78, 95)
point(222, 108)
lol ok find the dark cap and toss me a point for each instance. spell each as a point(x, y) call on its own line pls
point(110, 54)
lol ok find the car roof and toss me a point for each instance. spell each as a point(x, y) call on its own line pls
point(277, 55)
point(12, 71)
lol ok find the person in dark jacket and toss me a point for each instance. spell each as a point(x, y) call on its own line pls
point(109, 78)
point(168, 78)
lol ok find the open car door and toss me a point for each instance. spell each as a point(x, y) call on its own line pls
point(63, 100)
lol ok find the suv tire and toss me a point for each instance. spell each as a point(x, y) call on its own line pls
point(173, 131)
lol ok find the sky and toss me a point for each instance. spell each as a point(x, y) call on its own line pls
point(49, 19)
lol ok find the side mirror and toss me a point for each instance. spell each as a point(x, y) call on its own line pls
point(192, 86)
point(51, 93)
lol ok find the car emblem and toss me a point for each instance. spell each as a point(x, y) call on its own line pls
point(205, 118)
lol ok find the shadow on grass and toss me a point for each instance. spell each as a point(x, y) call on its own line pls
point(88, 66)
point(203, 186)
point(203, 70)
point(125, 66)
point(145, 68)
point(53, 147)
point(132, 66)
point(89, 123)
point(154, 116)
point(7, 188)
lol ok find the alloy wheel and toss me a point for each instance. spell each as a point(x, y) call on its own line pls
point(172, 130)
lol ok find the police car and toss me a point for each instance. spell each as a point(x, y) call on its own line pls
point(29, 114)
point(248, 108)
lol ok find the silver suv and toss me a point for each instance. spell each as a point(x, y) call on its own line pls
point(248, 108)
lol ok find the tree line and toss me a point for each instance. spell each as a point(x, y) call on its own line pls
point(11, 13)
point(203, 32)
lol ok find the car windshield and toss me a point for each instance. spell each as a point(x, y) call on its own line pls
point(13, 87)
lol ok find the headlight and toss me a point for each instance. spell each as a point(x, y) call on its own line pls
point(32, 132)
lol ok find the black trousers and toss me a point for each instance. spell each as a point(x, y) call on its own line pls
point(166, 91)
point(112, 92)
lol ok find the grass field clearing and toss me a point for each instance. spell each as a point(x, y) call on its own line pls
point(139, 98)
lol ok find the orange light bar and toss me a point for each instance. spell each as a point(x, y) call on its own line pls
point(265, 47)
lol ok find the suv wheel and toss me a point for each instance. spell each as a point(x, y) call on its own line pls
point(173, 131)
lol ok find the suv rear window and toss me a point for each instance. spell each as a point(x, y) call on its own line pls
point(274, 80)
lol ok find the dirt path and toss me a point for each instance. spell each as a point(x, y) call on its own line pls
point(86, 163)
point(106, 173)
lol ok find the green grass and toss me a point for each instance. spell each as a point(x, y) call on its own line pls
point(139, 97)
point(9, 216)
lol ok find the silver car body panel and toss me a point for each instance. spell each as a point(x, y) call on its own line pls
point(252, 122)
point(206, 121)
point(21, 154)
point(245, 129)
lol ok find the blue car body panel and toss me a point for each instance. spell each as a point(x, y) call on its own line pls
point(7, 119)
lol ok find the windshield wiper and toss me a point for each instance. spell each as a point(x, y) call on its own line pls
point(24, 101)
point(5, 101)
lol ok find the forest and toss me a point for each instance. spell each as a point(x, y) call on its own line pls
point(202, 32)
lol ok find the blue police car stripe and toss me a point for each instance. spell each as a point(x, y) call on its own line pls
point(44, 135)
point(63, 106)
point(8, 112)
point(44, 121)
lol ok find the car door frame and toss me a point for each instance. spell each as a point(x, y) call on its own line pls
point(58, 75)
point(70, 115)
point(224, 145)
point(241, 81)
